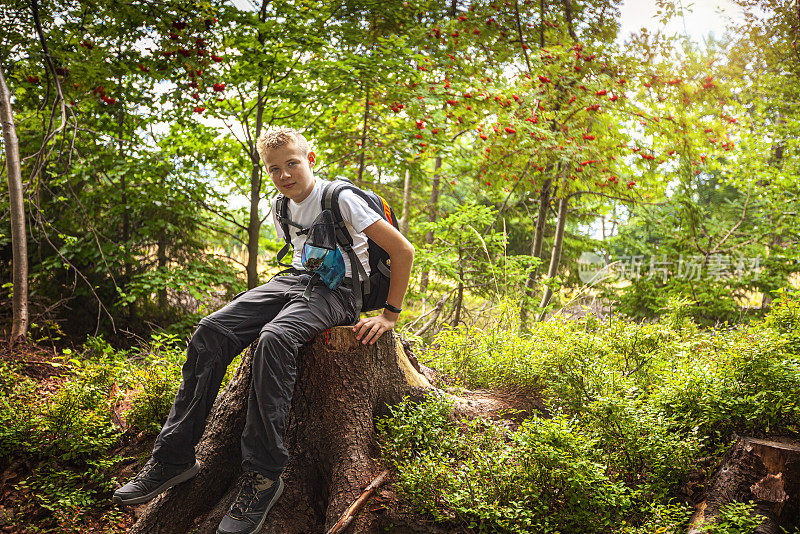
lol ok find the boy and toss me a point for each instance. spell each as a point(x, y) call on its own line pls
point(282, 316)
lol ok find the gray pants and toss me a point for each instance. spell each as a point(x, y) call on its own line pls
point(282, 320)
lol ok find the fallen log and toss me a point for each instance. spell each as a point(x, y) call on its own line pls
point(766, 472)
point(342, 385)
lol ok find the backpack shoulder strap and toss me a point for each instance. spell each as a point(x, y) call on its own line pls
point(330, 201)
point(282, 212)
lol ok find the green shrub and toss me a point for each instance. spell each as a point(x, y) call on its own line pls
point(734, 518)
point(742, 381)
point(59, 496)
point(70, 435)
point(713, 301)
point(703, 384)
point(150, 405)
point(635, 407)
point(640, 445)
point(490, 358)
point(784, 318)
point(544, 477)
point(661, 519)
point(17, 410)
point(72, 424)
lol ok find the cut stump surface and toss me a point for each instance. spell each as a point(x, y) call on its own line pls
point(764, 471)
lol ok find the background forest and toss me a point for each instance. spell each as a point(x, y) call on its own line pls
point(607, 224)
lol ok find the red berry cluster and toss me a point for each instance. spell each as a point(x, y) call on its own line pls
point(101, 92)
point(186, 45)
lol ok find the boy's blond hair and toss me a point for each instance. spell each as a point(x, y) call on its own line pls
point(278, 138)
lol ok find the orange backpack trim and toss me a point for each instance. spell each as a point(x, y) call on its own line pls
point(387, 211)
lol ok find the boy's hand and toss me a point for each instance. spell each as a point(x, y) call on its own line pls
point(369, 329)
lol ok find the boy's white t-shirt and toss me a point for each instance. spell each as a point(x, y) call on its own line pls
point(356, 213)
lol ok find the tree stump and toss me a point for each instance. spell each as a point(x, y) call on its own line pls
point(341, 386)
point(766, 472)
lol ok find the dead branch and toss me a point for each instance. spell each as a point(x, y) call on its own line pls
point(353, 509)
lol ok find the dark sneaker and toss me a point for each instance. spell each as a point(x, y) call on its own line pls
point(154, 478)
point(249, 511)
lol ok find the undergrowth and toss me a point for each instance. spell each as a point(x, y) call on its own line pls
point(633, 410)
point(66, 444)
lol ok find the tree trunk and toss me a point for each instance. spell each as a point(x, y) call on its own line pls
point(432, 209)
point(541, 23)
point(254, 225)
point(360, 179)
point(19, 238)
point(766, 472)
point(341, 386)
point(536, 251)
point(568, 17)
point(555, 255)
point(161, 258)
point(521, 36)
point(459, 291)
point(126, 238)
point(404, 219)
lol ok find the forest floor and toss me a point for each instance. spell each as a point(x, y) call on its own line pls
point(23, 511)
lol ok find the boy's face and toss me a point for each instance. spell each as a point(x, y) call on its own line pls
point(291, 170)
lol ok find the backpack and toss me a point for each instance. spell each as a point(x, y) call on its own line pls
point(376, 285)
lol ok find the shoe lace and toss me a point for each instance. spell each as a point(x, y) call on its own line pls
point(147, 470)
point(247, 494)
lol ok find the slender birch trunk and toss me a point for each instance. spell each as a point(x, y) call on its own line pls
point(19, 244)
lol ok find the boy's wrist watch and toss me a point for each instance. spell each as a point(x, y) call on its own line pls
point(391, 308)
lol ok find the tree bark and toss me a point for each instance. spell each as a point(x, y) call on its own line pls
point(521, 36)
point(766, 472)
point(568, 17)
point(555, 255)
point(19, 243)
point(536, 250)
point(432, 212)
point(433, 207)
point(459, 291)
point(126, 217)
point(404, 219)
point(360, 179)
point(161, 258)
point(541, 23)
point(341, 386)
point(254, 225)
